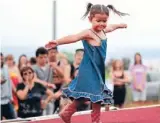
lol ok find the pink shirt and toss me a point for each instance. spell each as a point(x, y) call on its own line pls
point(138, 70)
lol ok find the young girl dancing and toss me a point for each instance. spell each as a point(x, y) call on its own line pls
point(90, 81)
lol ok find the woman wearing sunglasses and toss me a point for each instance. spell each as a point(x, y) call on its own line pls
point(30, 95)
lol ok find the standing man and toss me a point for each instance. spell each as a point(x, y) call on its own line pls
point(58, 74)
point(44, 74)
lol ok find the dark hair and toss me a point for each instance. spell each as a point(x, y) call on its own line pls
point(33, 60)
point(19, 64)
point(98, 9)
point(81, 50)
point(2, 62)
point(41, 51)
point(1, 54)
point(25, 69)
point(135, 58)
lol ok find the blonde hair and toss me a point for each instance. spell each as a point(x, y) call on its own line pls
point(62, 57)
point(114, 64)
point(9, 57)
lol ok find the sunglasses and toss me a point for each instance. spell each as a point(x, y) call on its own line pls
point(27, 73)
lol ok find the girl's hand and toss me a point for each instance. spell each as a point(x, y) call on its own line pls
point(122, 25)
point(51, 44)
point(114, 78)
point(139, 88)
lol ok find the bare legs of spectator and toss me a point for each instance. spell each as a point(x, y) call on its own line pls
point(64, 102)
point(49, 109)
point(107, 108)
point(139, 98)
point(96, 112)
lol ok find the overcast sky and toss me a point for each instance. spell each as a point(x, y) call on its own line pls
point(29, 22)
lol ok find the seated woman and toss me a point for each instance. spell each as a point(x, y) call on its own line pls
point(30, 95)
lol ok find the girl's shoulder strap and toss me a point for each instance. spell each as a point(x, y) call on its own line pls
point(104, 32)
point(95, 34)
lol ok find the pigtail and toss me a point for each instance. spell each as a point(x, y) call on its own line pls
point(88, 8)
point(111, 7)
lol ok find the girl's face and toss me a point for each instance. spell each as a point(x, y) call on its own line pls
point(23, 60)
point(138, 58)
point(99, 22)
point(10, 62)
point(79, 57)
point(28, 75)
point(118, 65)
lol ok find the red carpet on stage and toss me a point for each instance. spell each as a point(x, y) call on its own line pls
point(137, 115)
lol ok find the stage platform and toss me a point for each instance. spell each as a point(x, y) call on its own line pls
point(146, 114)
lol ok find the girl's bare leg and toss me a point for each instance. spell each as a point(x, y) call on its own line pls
point(68, 111)
point(96, 112)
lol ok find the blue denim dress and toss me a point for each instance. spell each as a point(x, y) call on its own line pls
point(90, 81)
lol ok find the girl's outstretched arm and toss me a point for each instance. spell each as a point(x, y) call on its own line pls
point(69, 39)
point(113, 27)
